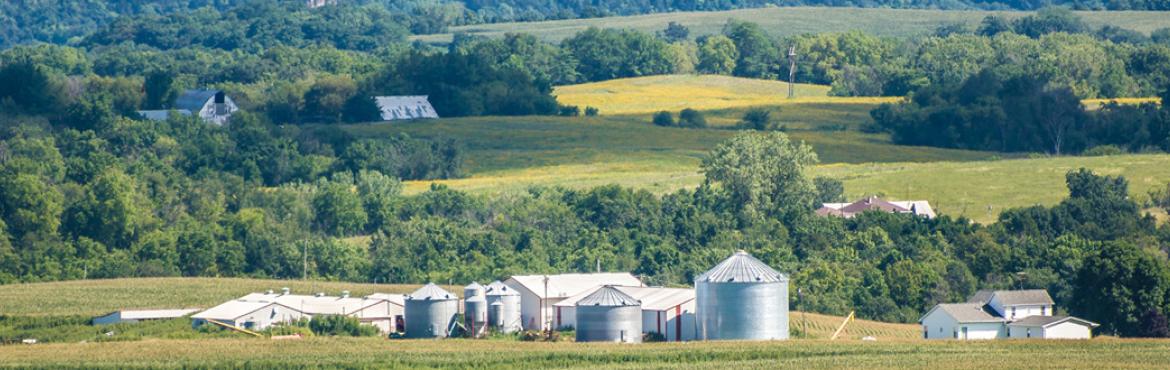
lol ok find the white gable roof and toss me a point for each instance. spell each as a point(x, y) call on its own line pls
point(153, 314)
point(405, 107)
point(231, 310)
point(652, 298)
point(567, 285)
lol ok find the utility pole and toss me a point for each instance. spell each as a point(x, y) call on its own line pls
point(792, 71)
point(304, 260)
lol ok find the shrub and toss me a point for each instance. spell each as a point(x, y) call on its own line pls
point(570, 111)
point(756, 119)
point(1103, 150)
point(340, 325)
point(591, 111)
point(653, 337)
point(664, 119)
point(691, 118)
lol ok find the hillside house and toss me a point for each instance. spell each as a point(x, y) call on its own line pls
point(1003, 314)
point(213, 106)
point(398, 108)
point(131, 316)
point(849, 210)
point(667, 311)
point(539, 293)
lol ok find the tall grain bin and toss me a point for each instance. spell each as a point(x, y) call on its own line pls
point(608, 315)
point(430, 311)
point(742, 298)
point(503, 307)
point(475, 309)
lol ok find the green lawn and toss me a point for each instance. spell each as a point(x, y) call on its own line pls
point(780, 22)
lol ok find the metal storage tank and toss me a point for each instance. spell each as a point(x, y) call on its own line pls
point(608, 315)
point(742, 298)
point(475, 309)
point(429, 312)
point(504, 307)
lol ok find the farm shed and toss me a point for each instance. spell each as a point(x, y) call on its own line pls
point(213, 106)
point(397, 108)
point(380, 310)
point(538, 293)
point(961, 321)
point(667, 311)
point(127, 316)
point(251, 315)
point(1051, 327)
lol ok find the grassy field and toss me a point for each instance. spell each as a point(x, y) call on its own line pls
point(703, 92)
point(780, 22)
point(96, 297)
point(379, 353)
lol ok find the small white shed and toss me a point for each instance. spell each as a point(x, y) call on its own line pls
point(127, 316)
point(1051, 327)
point(962, 321)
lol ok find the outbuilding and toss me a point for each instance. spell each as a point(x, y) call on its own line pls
point(961, 321)
point(407, 107)
point(130, 316)
point(1051, 327)
point(539, 293)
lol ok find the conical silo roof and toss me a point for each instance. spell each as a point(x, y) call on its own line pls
point(499, 288)
point(430, 292)
point(608, 296)
point(741, 267)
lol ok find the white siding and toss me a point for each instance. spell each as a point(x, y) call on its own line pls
point(530, 308)
point(668, 322)
point(1068, 330)
point(939, 325)
point(264, 317)
point(566, 316)
point(1020, 311)
point(1025, 332)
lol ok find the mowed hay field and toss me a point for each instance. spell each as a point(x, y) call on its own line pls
point(463, 353)
point(781, 22)
point(702, 92)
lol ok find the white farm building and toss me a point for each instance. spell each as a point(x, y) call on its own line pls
point(1003, 314)
point(397, 108)
point(257, 311)
point(129, 316)
point(213, 106)
point(539, 293)
point(667, 311)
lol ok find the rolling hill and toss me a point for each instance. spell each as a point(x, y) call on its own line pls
point(781, 22)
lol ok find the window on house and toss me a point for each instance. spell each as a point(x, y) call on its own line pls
point(1029, 332)
point(1013, 312)
point(1043, 310)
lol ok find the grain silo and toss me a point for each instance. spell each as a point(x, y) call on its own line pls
point(742, 298)
point(430, 312)
point(503, 307)
point(475, 309)
point(608, 315)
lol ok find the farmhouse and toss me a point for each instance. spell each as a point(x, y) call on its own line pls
point(667, 311)
point(396, 108)
point(260, 310)
point(848, 210)
point(213, 106)
point(130, 316)
point(539, 293)
point(1003, 314)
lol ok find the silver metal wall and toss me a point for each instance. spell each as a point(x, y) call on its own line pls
point(609, 324)
point(475, 314)
point(507, 318)
point(751, 311)
point(430, 318)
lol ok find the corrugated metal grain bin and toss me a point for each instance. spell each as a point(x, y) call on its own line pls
point(504, 307)
point(742, 298)
point(430, 311)
point(608, 315)
point(475, 309)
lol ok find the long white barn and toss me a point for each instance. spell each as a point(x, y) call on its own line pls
point(260, 310)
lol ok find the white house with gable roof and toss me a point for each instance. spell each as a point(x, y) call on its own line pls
point(1003, 314)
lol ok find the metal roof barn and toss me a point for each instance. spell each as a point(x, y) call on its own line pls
point(742, 298)
point(124, 316)
point(503, 307)
point(430, 312)
point(608, 315)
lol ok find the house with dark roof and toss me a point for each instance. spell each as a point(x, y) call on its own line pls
point(849, 210)
point(213, 106)
point(992, 314)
